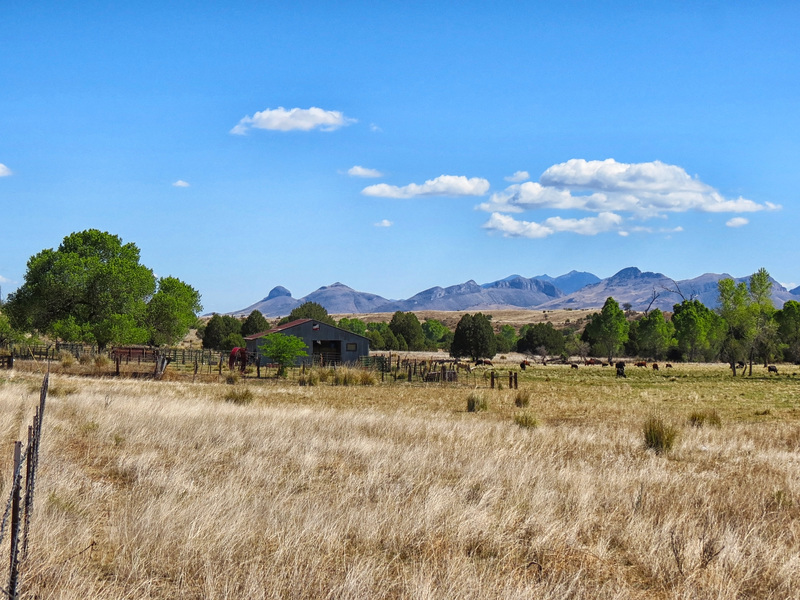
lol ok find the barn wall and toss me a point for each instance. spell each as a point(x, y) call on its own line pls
point(359, 346)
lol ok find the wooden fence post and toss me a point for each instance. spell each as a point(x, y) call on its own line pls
point(14, 553)
point(492, 380)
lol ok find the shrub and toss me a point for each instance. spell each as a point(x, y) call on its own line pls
point(66, 358)
point(310, 377)
point(658, 435)
point(526, 420)
point(368, 377)
point(239, 395)
point(345, 376)
point(476, 402)
point(522, 398)
point(232, 378)
point(85, 359)
point(101, 361)
point(700, 418)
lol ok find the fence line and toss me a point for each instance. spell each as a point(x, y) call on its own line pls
point(17, 515)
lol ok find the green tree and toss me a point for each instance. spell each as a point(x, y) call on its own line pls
point(655, 334)
point(376, 341)
point(541, 335)
point(407, 326)
point(435, 332)
point(254, 323)
point(473, 337)
point(172, 311)
point(8, 335)
point(390, 341)
point(309, 310)
point(608, 329)
point(92, 288)
point(734, 308)
point(355, 325)
point(282, 349)
point(765, 335)
point(788, 320)
point(696, 330)
point(218, 328)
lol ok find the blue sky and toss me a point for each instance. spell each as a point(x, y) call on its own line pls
point(394, 147)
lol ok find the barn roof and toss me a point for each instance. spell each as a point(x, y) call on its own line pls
point(292, 325)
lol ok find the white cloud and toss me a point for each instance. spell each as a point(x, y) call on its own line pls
point(518, 177)
point(384, 223)
point(181, 183)
point(510, 227)
point(4, 280)
point(444, 185)
point(358, 171)
point(304, 119)
point(4, 170)
point(375, 128)
point(737, 222)
point(640, 191)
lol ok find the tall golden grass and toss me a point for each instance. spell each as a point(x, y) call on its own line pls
point(171, 490)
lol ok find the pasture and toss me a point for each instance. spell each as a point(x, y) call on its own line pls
point(269, 489)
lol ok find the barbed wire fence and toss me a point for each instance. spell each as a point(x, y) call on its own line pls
point(17, 514)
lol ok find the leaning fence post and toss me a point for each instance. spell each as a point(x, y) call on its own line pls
point(14, 556)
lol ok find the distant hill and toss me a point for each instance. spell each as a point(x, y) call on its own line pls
point(336, 298)
point(572, 281)
point(575, 289)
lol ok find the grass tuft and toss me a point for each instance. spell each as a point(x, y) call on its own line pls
point(699, 418)
point(526, 420)
point(522, 398)
point(476, 402)
point(239, 395)
point(658, 435)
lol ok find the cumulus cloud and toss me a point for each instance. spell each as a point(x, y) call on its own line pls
point(638, 191)
point(444, 185)
point(384, 223)
point(737, 222)
point(181, 183)
point(358, 171)
point(4, 170)
point(518, 177)
point(510, 227)
point(374, 128)
point(4, 280)
point(303, 119)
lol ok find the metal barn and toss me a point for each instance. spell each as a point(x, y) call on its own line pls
point(327, 345)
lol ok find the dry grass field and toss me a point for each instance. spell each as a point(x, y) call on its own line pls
point(266, 489)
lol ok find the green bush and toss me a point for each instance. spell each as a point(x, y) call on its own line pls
point(476, 402)
point(658, 435)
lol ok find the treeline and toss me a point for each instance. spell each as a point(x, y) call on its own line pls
point(745, 327)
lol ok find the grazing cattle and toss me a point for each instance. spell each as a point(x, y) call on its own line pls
point(238, 355)
point(655, 366)
point(772, 369)
point(591, 361)
point(524, 364)
point(605, 364)
point(641, 363)
point(668, 366)
point(740, 364)
point(573, 366)
point(621, 369)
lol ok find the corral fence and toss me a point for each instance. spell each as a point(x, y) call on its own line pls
point(19, 507)
point(389, 367)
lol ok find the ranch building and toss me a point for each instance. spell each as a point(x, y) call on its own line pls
point(326, 344)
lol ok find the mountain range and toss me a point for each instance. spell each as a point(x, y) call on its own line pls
point(642, 290)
